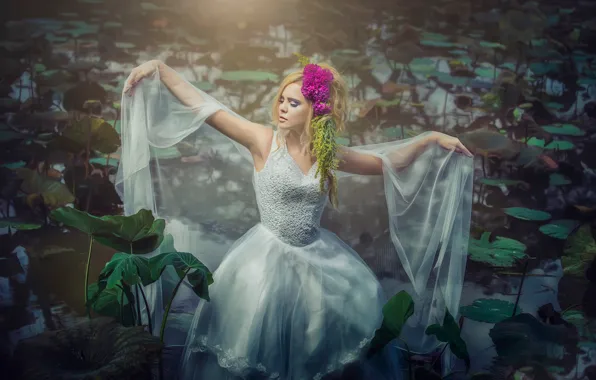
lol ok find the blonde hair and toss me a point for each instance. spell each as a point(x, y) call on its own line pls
point(338, 99)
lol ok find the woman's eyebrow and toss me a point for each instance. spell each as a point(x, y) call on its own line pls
point(294, 100)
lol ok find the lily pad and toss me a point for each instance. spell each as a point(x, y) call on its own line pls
point(422, 65)
point(249, 76)
point(559, 229)
point(17, 224)
point(489, 310)
point(563, 129)
point(556, 179)
point(95, 132)
point(556, 144)
point(501, 182)
point(444, 44)
point(502, 252)
point(54, 193)
point(524, 213)
point(492, 45)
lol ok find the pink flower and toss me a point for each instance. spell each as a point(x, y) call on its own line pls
point(315, 87)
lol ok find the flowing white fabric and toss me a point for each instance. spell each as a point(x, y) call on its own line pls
point(410, 225)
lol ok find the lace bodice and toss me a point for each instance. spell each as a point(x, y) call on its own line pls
point(290, 202)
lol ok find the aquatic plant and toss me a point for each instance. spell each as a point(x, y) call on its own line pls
point(133, 236)
point(100, 348)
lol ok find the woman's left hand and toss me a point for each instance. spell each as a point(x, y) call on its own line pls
point(450, 143)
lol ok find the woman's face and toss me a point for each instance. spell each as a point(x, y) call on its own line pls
point(293, 108)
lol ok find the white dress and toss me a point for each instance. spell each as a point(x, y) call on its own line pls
point(290, 300)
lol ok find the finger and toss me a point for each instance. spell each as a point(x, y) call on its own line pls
point(464, 149)
point(132, 81)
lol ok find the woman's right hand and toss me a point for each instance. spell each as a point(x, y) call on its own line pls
point(138, 73)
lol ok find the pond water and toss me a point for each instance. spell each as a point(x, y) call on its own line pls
point(514, 81)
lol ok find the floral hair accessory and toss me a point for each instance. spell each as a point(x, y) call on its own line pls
point(315, 87)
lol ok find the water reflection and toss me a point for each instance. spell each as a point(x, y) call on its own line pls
point(516, 83)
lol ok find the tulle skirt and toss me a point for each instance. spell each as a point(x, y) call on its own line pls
point(279, 311)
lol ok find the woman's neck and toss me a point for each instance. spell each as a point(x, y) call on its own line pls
point(293, 142)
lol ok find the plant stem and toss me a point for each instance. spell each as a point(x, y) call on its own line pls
point(88, 307)
point(148, 311)
point(138, 305)
point(439, 357)
point(521, 285)
point(165, 316)
point(410, 373)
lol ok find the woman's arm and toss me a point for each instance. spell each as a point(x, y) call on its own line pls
point(351, 161)
point(249, 134)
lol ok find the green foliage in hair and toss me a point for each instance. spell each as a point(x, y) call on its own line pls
point(325, 149)
point(302, 59)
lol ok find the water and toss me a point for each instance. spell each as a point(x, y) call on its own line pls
point(514, 81)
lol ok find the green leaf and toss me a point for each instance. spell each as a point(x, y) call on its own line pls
point(94, 132)
point(554, 106)
point(12, 165)
point(489, 310)
point(109, 302)
point(580, 249)
point(422, 65)
point(128, 269)
point(54, 193)
point(19, 224)
point(444, 44)
point(559, 229)
point(492, 45)
point(139, 232)
point(183, 262)
point(395, 315)
point(450, 334)
point(249, 76)
point(82, 221)
point(502, 252)
point(563, 129)
point(527, 214)
point(556, 144)
point(501, 182)
point(397, 311)
point(557, 179)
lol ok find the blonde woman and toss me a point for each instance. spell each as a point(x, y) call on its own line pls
point(291, 300)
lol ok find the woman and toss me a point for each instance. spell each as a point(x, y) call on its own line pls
point(290, 300)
